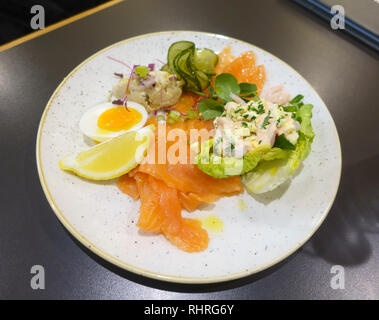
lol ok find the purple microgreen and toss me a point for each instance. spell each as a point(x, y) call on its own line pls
point(125, 100)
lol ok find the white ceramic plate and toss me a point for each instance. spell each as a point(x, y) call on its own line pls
point(272, 226)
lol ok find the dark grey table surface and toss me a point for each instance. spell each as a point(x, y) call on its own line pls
point(345, 74)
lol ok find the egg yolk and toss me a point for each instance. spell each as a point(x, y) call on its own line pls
point(118, 118)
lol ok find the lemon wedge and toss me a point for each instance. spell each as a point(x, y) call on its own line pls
point(112, 158)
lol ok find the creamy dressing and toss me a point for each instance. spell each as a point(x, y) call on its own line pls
point(243, 127)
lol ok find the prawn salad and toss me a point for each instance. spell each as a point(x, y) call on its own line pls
point(255, 140)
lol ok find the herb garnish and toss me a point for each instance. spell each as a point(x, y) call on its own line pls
point(283, 143)
point(142, 71)
point(266, 120)
point(230, 148)
point(278, 120)
point(260, 110)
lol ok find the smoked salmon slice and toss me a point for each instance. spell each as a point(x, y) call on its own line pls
point(150, 218)
point(127, 184)
point(188, 178)
point(187, 202)
point(191, 236)
point(160, 212)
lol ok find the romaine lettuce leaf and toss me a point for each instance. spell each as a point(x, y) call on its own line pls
point(304, 114)
point(264, 168)
point(269, 174)
point(222, 167)
point(215, 166)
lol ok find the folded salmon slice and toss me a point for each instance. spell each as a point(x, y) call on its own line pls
point(160, 212)
point(128, 185)
point(187, 202)
point(150, 218)
point(188, 178)
point(191, 237)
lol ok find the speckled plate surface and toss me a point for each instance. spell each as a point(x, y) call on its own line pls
point(267, 230)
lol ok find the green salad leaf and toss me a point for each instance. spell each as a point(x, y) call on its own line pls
point(270, 173)
point(283, 143)
point(210, 109)
point(304, 114)
point(247, 90)
point(226, 84)
point(223, 167)
point(263, 152)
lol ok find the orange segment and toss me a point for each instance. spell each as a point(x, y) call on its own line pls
point(245, 70)
point(225, 57)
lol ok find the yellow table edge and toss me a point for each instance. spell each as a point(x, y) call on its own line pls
point(59, 24)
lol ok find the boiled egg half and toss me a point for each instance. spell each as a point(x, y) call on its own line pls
point(107, 120)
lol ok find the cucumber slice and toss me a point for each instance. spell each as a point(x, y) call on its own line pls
point(182, 65)
point(203, 80)
point(194, 66)
point(175, 49)
point(205, 60)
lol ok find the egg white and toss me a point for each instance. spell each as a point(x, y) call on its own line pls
point(88, 122)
